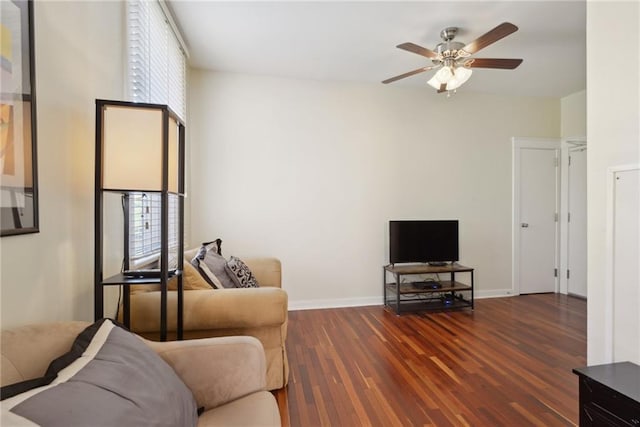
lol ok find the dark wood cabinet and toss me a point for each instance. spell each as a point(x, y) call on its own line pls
point(609, 395)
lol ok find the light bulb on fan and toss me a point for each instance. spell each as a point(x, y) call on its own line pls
point(442, 77)
point(444, 74)
point(452, 77)
point(460, 76)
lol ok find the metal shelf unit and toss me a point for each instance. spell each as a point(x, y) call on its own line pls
point(411, 296)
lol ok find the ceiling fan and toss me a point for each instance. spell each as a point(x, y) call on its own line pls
point(453, 59)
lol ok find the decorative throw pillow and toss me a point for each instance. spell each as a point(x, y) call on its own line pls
point(214, 245)
point(212, 266)
point(241, 274)
point(203, 269)
point(108, 378)
point(209, 276)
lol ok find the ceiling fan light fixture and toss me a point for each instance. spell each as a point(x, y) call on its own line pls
point(444, 74)
point(454, 58)
point(452, 77)
point(434, 83)
point(460, 76)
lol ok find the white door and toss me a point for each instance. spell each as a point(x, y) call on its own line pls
point(626, 266)
point(535, 216)
point(577, 223)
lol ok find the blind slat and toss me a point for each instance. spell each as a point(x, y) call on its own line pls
point(145, 214)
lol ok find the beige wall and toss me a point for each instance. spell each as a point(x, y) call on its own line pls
point(573, 111)
point(312, 172)
point(613, 127)
point(79, 57)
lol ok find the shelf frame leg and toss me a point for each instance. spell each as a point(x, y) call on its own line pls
point(126, 306)
point(472, 290)
point(384, 286)
point(397, 275)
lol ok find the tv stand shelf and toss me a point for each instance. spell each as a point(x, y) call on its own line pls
point(414, 295)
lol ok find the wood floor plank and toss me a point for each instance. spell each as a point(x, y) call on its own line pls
point(507, 363)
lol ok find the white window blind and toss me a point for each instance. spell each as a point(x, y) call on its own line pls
point(156, 61)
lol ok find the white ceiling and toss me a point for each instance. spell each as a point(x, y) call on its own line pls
point(355, 41)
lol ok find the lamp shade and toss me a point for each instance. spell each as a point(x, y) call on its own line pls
point(133, 151)
point(173, 155)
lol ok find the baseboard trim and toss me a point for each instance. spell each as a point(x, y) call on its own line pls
point(495, 293)
point(377, 300)
point(334, 303)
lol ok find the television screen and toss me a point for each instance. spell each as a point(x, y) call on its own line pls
point(423, 241)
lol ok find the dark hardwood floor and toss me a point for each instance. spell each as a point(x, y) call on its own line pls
point(508, 363)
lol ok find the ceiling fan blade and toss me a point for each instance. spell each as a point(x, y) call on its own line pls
point(410, 73)
point(507, 64)
point(492, 36)
point(411, 47)
point(443, 88)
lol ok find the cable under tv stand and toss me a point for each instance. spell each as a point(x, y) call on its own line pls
point(408, 296)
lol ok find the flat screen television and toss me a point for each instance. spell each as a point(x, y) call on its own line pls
point(432, 241)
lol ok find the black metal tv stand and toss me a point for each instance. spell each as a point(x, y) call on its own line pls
point(406, 296)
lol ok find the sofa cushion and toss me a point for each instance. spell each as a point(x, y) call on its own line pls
point(109, 377)
point(241, 274)
point(191, 279)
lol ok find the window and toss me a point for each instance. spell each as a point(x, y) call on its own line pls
point(156, 73)
point(156, 60)
point(144, 228)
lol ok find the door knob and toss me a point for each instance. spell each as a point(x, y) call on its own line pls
point(524, 225)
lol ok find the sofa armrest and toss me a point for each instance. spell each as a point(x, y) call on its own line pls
point(216, 370)
point(27, 350)
point(212, 309)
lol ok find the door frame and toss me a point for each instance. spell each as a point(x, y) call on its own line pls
point(567, 145)
point(519, 143)
point(609, 281)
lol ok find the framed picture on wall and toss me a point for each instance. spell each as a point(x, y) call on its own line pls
point(18, 167)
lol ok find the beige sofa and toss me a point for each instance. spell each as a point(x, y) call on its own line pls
point(257, 312)
point(227, 376)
